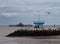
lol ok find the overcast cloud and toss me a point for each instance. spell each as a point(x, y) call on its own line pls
point(26, 11)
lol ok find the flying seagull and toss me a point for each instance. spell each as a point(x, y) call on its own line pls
point(48, 13)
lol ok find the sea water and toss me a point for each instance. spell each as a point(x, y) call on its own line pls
point(4, 30)
point(24, 40)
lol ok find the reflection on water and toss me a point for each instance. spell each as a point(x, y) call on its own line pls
point(24, 40)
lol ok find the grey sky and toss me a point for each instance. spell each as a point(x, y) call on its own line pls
point(15, 11)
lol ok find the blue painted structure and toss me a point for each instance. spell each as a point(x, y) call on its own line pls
point(38, 24)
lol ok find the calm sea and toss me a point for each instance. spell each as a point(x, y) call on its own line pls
point(4, 30)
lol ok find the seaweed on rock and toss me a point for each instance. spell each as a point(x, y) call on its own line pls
point(21, 32)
